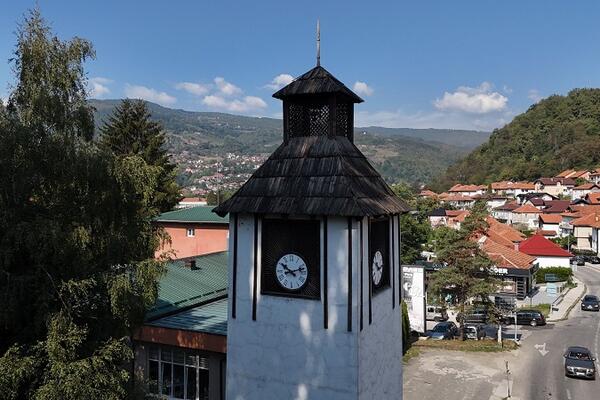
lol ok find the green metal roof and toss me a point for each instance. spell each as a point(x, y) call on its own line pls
point(182, 288)
point(209, 318)
point(193, 214)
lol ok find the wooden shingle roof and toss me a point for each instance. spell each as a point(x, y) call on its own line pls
point(316, 175)
point(316, 81)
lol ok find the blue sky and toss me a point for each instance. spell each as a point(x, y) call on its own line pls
point(442, 64)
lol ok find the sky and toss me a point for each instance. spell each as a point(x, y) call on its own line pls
point(419, 64)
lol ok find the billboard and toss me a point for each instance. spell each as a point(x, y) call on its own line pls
point(413, 294)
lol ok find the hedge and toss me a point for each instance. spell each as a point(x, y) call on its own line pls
point(562, 274)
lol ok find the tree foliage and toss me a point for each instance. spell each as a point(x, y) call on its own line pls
point(130, 131)
point(557, 133)
point(467, 274)
point(76, 240)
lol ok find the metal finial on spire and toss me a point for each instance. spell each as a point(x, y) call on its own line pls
point(318, 43)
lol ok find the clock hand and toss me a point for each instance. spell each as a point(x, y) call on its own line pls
point(287, 270)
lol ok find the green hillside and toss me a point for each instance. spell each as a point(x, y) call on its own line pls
point(557, 133)
point(411, 155)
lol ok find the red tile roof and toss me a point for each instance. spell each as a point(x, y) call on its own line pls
point(556, 206)
point(427, 193)
point(526, 209)
point(506, 185)
point(467, 188)
point(506, 231)
point(555, 181)
point(593, 198)
point(538, 245)
point(506, 257)
point(587, 186)
point(551, 218)
point(592, 220)
point(507, 207)
point(546, 232)
point(455, 213)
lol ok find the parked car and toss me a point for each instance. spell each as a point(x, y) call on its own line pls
point(578, 260)
point(579, 363)
point(592, 259)
point(526, 317)
point(590, 302)
point(478, 316)
point(443, 330)
point(436, 313)
point(474, 332)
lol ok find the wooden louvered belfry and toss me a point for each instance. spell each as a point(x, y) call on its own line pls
point(317, 170)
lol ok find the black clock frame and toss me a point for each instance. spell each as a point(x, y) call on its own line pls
point(379, 240)
point(291, 236)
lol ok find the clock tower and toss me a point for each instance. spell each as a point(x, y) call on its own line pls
point(314, 270)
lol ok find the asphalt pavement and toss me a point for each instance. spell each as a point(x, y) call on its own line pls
point(536, 369)
point(539, 374)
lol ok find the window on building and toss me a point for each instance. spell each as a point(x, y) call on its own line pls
point(191, 232)
point(177, 374)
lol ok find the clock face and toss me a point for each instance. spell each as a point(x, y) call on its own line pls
point(291, 272)
point(377, 268)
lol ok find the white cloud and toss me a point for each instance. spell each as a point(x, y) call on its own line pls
point(280, 81)
point(198, 89)
point(534, 95)
point(98, 86)
point(434, 119)
point(243, 105)
point(477, 100)
point(362, 89)
point(507, 89)
point(143, 92)
point(227, 88)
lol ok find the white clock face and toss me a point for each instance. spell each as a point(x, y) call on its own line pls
point(291, 272)
point(377, 268)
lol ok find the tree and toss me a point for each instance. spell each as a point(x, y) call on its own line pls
point(130, 131)
point(468, 270)
point(76, 238)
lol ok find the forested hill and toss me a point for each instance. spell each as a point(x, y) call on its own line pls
point(557, 133)
point(411, 155)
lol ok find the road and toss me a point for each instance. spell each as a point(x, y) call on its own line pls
point(537, 370)
point(540, 375)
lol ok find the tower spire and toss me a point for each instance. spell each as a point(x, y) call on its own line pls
point(318, 44)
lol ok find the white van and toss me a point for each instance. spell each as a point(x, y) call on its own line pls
point(436, 313)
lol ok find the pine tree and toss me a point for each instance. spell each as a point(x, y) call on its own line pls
point(130, 131)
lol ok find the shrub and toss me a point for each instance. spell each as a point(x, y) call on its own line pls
point(562, 274)
point(405, 328)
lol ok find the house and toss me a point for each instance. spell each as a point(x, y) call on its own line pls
point(595, 176)
point(192, 232)
point(512, 189)
point(574, 174)
point(550, 223)
point(503, 213)
point(468, 190)
point(546, 252)
point(455, 218)
point(182, 345)
point(492, 200)
point(592, 198)
point(515, 269)
point(438, 217)
point(555, 186)
point(503, 233)
point(581, 191)
point(585, 230)
point(526, 216)
point(187, 202)
point(459, 201)
point(525, 197)
point(556, 206)
point(425, 193)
